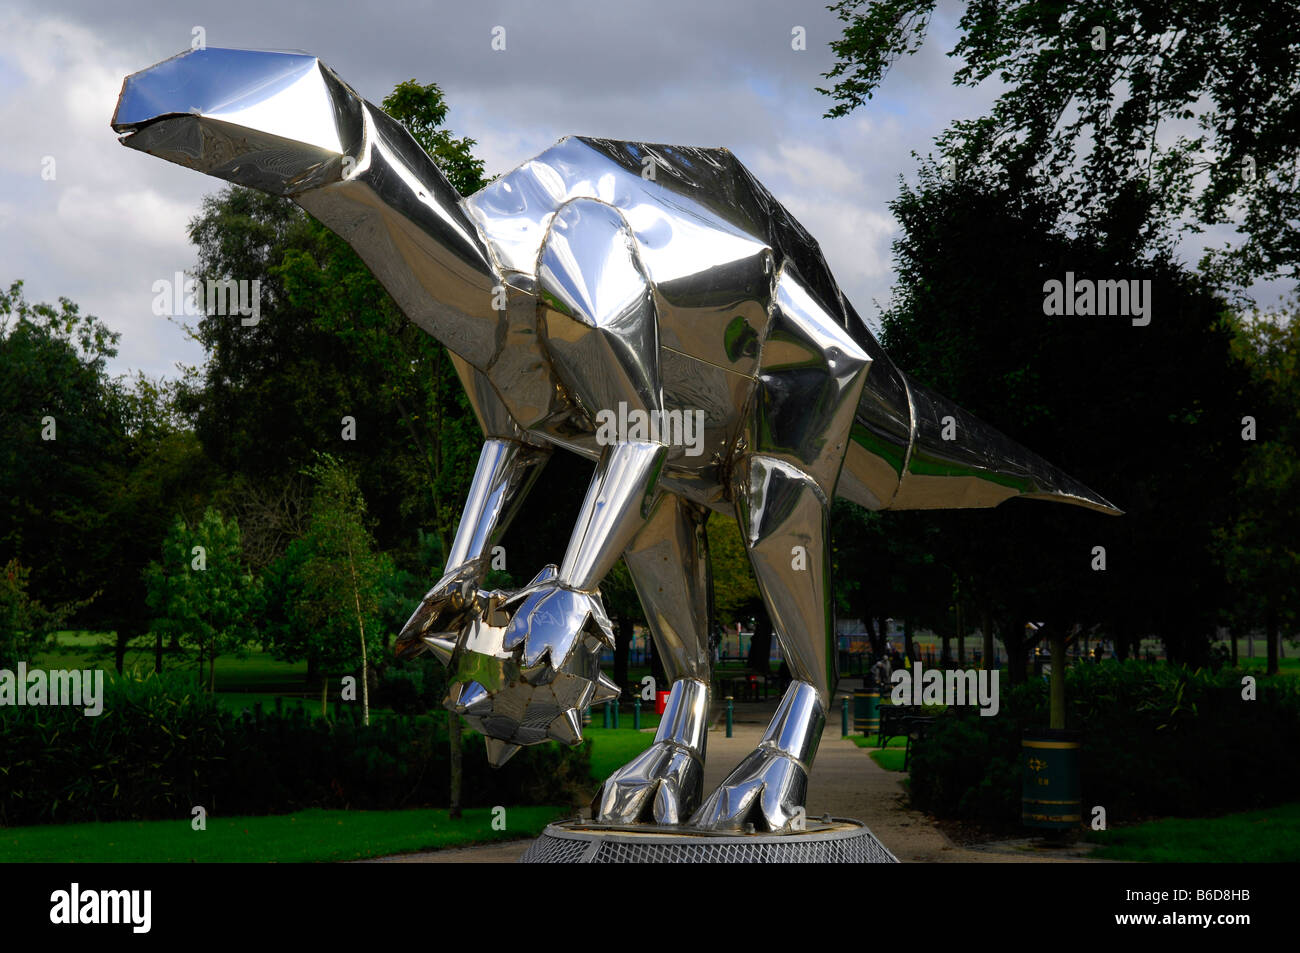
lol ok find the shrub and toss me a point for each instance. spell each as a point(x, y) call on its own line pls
point(1157, 740)
point(162, 747)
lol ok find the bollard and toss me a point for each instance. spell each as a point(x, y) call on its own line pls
point(730, 714)
point(606, 713)
point(636, 713)
point(614, 708)
point(844, 719)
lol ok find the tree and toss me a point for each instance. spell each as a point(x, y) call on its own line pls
point(201, 593)
point(62, 444)
point(423, 111)
point(1144, 118)
point(164, 475)
point(287, 632)
point(24, 622)
point(331, 343)
point(1137, 413)
point(90, 465)
point(341, 582)
point(886, 567)
point(735, 591)
point(1260, 543)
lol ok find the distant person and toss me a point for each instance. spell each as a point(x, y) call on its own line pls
point(881, 671)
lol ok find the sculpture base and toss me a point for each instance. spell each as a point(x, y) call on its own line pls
point(837, 841)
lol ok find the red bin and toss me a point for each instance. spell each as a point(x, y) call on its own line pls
point(661, 702)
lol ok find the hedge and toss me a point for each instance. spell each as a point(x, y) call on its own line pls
point(162, 747)
point(1158, 740)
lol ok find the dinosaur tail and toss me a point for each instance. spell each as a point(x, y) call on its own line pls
point(913, 449)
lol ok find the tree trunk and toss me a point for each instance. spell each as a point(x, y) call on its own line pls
point(622, 645)
point(457, 773)
point(961, 636)
point(119, 650)
point(1270, 622)
point(324, 696)
point(986, 629)
point(1058, 677)
point(1013, 637)
point(212, 668)
point(877, 635)
point(361, 627)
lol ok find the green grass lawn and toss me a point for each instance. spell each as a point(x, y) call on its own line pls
point(245, 701)
point(258, 672)
point(873, 741)
point(1268, 836)
point(891, 759)
point(305, 836)
point(625, 717)
point(611, 748)
point(1285, 666)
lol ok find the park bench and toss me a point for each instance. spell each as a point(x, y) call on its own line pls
point(892, 722)
point(916, 727)
point(911, 721)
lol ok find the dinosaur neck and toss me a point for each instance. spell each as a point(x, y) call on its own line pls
point(405, 221)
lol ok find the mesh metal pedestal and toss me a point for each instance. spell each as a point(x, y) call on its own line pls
point(837, 841)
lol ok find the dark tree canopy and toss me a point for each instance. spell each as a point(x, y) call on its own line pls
point(1144, 116)
point(1148, 416)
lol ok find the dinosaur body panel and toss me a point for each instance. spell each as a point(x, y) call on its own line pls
point(715, 243)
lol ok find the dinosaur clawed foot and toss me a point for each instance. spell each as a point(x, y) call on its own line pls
point(766, 790)
point(661, 785)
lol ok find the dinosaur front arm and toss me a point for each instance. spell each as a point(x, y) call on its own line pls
point(617, 505)
point(505, 472)
point(561, 609)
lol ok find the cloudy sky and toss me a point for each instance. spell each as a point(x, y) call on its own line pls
point(113, 221)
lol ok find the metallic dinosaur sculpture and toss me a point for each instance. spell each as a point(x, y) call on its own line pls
point(654, 309)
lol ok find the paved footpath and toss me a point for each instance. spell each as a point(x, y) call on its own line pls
point(845, 782)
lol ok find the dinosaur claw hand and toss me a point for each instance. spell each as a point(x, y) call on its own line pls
point(446, 608)
point(547, 618)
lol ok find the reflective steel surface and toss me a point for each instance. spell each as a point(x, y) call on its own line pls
point(768, 789)
point(654, 309)
point(662, 784)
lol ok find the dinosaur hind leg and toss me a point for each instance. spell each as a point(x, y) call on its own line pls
point(669, 564)
point(784, 521)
